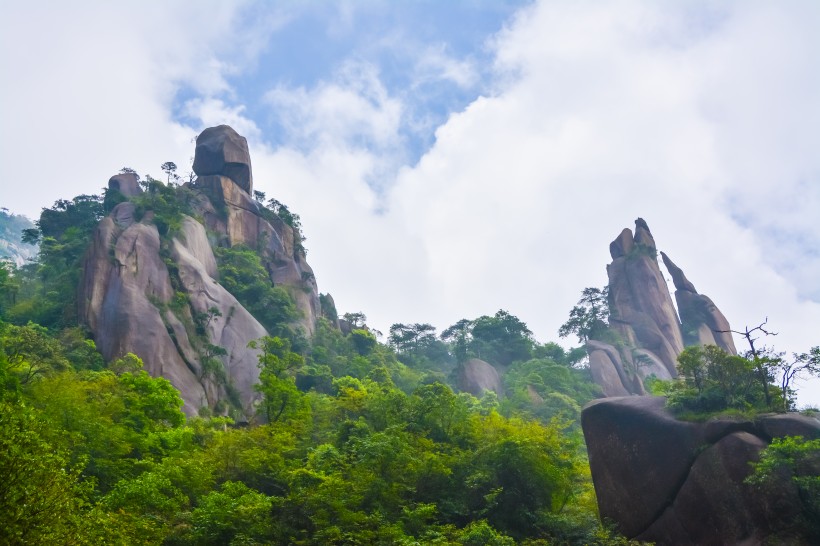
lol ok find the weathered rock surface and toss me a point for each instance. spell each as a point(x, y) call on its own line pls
point(674, 482)
point(642, 309)
point(222, 151)
point(235, 327)
point(230, 212)
point(121, 296)
point(125, 183)
point(477, 376)
point(160, 298)
point(646, 335)
point(702, 322)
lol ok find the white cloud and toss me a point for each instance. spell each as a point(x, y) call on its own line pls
point(435, 64)
point(702, 120)
point(93, 84)
point(605, 112)
point(354, 110)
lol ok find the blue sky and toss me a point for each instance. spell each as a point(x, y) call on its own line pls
point(452, 158)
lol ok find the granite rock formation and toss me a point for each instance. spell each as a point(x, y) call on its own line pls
point(477, 376)
point(127, 184)
point(645, 334)
point(222, 151)
point(159, 297)
point(674, 482)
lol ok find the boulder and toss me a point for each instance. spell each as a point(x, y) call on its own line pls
point(476, 376)
point(713, 506)
point(221, 151)
point(127, 184)
point(622, 245)
point(608, 370)
point(639, 454)
point(674, 482)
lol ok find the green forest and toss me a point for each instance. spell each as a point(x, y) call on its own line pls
point(360, 438)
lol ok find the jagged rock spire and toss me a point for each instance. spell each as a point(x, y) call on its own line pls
point(646, 334)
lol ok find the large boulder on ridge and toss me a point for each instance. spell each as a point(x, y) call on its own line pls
point(672, 482)
point(477, 376)
point(222, 151)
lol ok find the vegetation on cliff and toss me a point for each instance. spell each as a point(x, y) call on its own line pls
point(360, 442)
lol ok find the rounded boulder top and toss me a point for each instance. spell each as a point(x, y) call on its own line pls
point(222, 151)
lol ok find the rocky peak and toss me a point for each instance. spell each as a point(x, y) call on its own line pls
point(158, 295)
point(222, 151)
point(646, 334)
point(126, 183)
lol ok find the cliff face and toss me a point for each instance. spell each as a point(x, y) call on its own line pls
point(159, 297)
point(673, 482)
point(646, 334)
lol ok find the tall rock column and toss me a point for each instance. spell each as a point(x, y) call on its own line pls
point(645, 335)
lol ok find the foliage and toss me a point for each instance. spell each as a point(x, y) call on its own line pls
point(500, 339)
point(711, 380)
point(590, 316)
point(47, 289)
point(544, 388)
point(41, 495)
point(278, 366)
point(242, 274)
point(167, 203)
point(792, 463)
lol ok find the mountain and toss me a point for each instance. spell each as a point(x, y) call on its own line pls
point(646, 333)
point(152, 286)
point(12, 246)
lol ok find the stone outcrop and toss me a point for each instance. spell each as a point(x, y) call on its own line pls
point(645, 334)
point(701, 320)
point(477, 376)
point(222, 151)
point(126, 183)
point(125, 287)
point(673, 482)
point(160, 297)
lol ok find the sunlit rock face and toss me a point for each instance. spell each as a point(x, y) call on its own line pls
point(680, 483)
point(646, 334)
point(147, 294)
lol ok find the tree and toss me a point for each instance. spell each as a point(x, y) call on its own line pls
point(356, 320)
point(277, 364)
point(590, 317)
point(800, 365)
point(170, 168)
point(411, 337)
point(792, 463)
point(460, 334)
point(501, 339)
point(710, 380)
point(763, 361)
point(41, 495)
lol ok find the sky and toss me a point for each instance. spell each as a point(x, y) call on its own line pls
point(450, 159)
